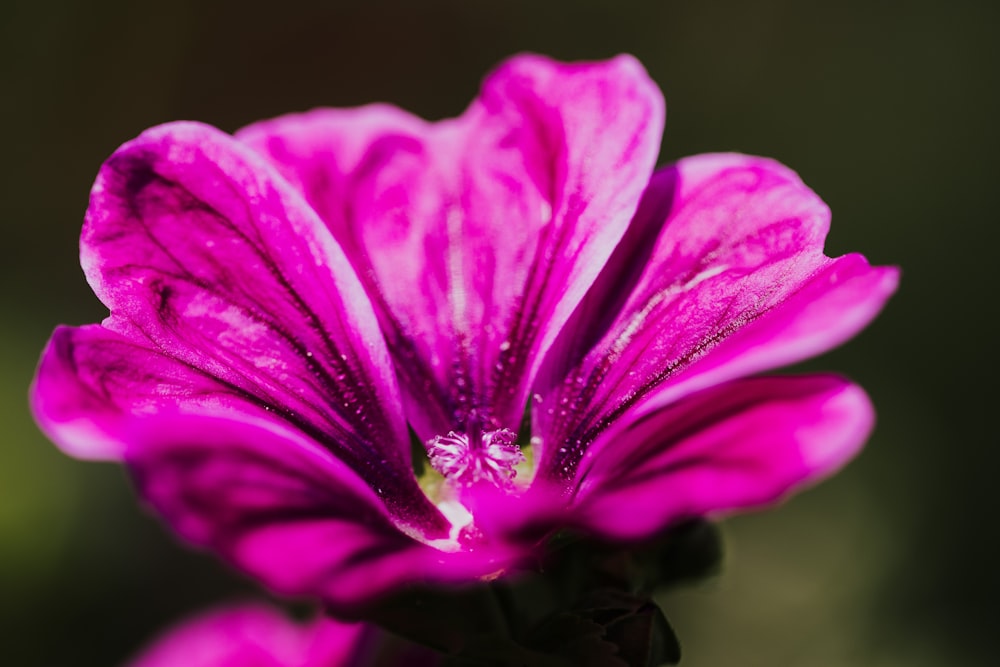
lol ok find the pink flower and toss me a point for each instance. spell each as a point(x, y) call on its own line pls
point(285, 302)
point(254, 635)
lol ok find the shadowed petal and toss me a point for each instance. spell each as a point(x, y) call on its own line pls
point(206, 256)
point(283, 509)
point(722, 274)
point(253, 635)
point(741, 445)
point(476, 237)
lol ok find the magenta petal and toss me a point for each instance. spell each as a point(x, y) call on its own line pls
point(92, 383)
point(733, 281)
point(253, 635)
point(281, 508)
point(203, 253)
point(741, 445)
point(476, 237)
point(90, 380)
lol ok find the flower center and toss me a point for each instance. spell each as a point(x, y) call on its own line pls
point(464, 460)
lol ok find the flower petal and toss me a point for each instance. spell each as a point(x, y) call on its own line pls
point(721, 275)
point(740, 445)
point(204, 254)
point(476, 237)
point(281, 508)
point(253, 635)
point(91, 380)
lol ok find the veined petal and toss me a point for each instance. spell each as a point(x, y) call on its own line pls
point(253, 635)
point(476, 237)
point(280, 507)
point(204, 254)
point(722, 274)
point(736, 446)
point(92, 380)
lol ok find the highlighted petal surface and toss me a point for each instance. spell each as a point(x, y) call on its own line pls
point(476, 237)
point(207, 257)
point(721, 275)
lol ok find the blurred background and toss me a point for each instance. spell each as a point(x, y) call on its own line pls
point(887, 109)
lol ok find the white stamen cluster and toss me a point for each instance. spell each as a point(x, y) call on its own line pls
point(493, 460)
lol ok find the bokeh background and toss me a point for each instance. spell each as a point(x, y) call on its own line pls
point(887, 109)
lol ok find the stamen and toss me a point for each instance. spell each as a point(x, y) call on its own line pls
point(493, 459)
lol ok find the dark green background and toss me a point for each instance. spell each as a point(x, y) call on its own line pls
point(887, 109)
